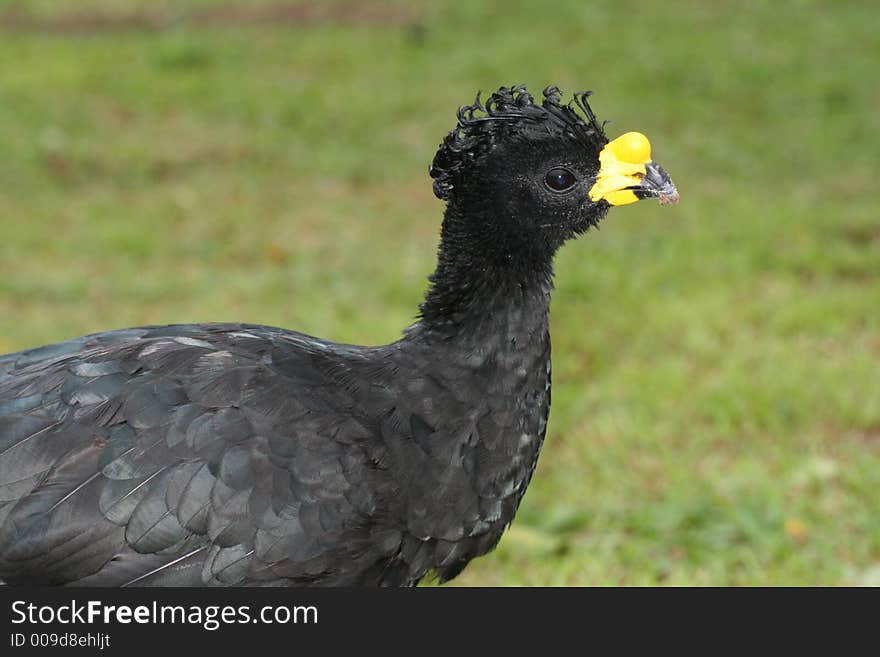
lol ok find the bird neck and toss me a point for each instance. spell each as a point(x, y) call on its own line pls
point(483, 349)
point(484, 279)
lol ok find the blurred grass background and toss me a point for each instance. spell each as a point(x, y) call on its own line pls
point(716, 407)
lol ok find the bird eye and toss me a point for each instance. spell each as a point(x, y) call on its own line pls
point(559, 179)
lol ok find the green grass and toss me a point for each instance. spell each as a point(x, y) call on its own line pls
point(716, 407)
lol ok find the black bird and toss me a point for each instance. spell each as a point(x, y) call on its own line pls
point(236, 454)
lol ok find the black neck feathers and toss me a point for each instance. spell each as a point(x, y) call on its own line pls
point(482, 270)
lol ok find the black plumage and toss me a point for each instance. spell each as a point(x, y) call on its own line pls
point(234, 454)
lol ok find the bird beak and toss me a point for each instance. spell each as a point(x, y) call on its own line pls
point(627, 173)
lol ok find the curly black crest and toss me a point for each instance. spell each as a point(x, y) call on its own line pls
point(480, 126)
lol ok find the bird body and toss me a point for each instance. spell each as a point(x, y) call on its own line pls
point(236, 454)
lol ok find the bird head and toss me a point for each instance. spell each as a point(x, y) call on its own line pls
point(540, 173)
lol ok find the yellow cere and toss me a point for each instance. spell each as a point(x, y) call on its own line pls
point(621, 165)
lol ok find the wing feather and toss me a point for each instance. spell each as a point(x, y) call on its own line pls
point(183, 455)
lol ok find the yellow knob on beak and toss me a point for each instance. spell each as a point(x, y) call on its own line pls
point(627, 173)
point(631, 147)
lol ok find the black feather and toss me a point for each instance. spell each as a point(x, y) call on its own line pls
point(231, 454)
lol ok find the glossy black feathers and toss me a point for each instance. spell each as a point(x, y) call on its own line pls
point(240, 455)
point(243, 455)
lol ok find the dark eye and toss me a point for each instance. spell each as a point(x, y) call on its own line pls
point(559, 179)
